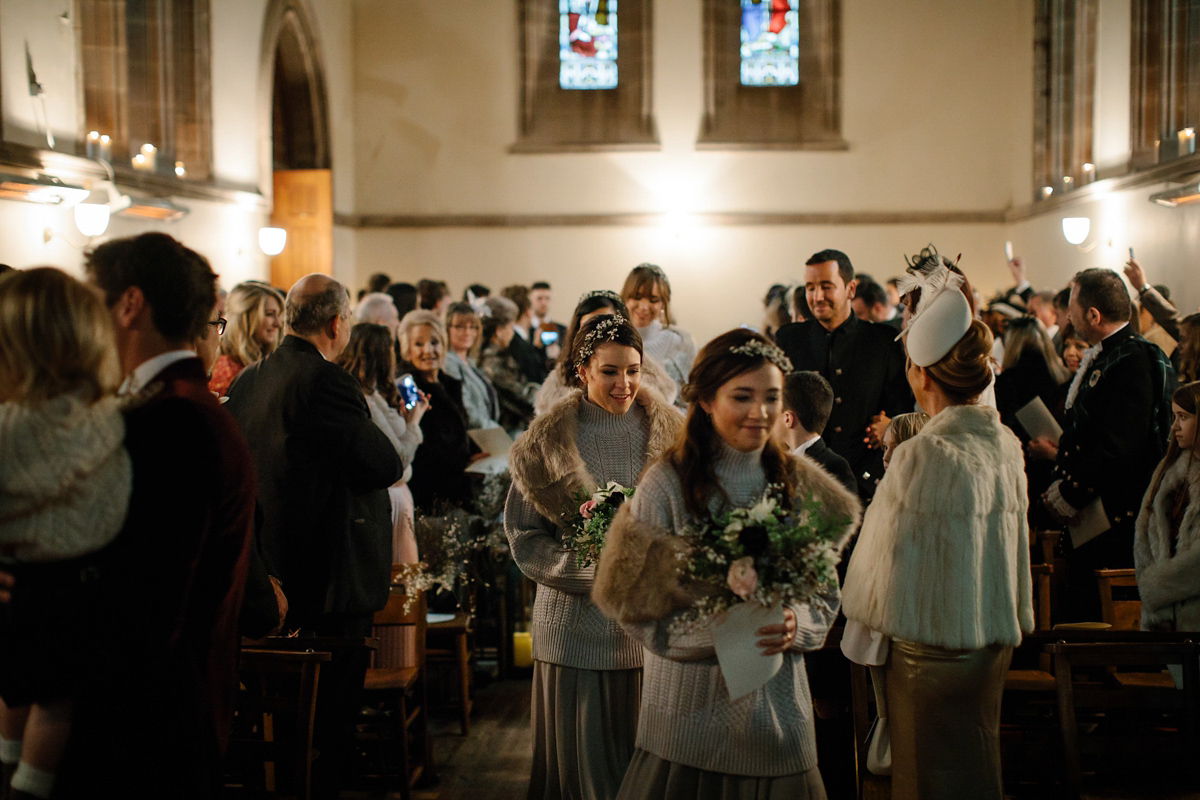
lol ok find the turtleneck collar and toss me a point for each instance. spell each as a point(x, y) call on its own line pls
point(592, 414)
point(735, 459)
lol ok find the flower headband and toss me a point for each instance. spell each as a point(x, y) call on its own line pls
point(606, 330)
point(607, 294)
point(757, 348)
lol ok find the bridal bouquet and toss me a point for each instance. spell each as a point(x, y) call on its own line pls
point(769, 553)
point(585, 536)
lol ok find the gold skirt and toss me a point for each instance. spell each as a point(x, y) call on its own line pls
point(944, 721)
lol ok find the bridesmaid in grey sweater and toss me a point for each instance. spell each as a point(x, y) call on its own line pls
point(587, 672)
point(693, 741)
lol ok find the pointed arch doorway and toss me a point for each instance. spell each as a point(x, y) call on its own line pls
point(294, 150)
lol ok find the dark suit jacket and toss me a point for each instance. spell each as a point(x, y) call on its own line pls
point(531, 360)
point(323, 472)
point(834, 464)
point(1116, 433)
point(438, 479)
point(170, 590)
point(865, 366)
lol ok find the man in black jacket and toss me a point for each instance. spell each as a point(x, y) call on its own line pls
point(323, 471)
point(1117, 423)
point(861, 360)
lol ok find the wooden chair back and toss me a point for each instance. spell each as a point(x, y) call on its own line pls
point(1123, 613)
point(1129, 742)
point(396, 615)
point(271, 744)
point(1043, 576)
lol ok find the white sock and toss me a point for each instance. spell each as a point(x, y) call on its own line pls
point(33, 780)
point(10, 750)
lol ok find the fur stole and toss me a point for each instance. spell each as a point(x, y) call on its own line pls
point(641, 575)
point(545, 463)
point(943, 555)
point(1163, 579)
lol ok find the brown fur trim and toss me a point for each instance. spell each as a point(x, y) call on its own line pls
point(639, 578)
point(837, 501)
point(545, 463)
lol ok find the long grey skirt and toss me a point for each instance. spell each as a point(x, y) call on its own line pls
point(584, 724)
point(651, 778)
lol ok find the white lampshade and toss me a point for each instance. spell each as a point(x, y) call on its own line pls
point(92, 218)
point(1076, 229)
point(272, 240)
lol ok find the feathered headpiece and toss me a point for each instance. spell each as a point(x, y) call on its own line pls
point(942, 316)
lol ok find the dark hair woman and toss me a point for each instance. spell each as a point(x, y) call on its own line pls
point(587, 672)
point(564, 377)
point(370, 358)
point(497, 361)
point(1166, 546)
point(690, 732)
point(941, 565)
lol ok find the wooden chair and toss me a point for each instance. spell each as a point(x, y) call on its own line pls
point(1122, 613)
point(448, 643)
point(271, 745)
point(1040, 679)
point(1135, 717)
point(396, 698)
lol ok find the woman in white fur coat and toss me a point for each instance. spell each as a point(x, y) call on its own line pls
point(1166, 545)
point(694, 742)
point(587, 673)
point(941, 565)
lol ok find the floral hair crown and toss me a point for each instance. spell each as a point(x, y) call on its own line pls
point(606, 330)
point(757, 348)
point(607, 294)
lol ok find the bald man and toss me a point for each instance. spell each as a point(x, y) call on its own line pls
point(323, 471)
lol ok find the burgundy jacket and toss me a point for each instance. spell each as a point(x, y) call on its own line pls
point(156, 709)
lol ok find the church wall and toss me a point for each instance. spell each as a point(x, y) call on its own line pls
point(935, 112)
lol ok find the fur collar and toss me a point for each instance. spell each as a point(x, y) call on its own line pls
point(545, 463)
point(641, 573)
point(1155, 524)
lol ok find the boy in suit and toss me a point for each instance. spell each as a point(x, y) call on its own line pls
point(807, 403)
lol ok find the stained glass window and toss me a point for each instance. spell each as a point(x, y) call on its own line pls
point(770, 43)
point(587, 44)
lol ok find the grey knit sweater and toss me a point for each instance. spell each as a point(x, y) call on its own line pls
point(568, 629)
point(686, 714)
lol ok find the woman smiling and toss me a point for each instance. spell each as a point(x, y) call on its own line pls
point(587, 674)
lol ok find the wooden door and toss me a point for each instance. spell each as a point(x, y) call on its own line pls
point(304, 208)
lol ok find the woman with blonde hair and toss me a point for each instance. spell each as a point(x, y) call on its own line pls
point(253, 330)
point(65, 482)
point(647, 295)
point(941, 566)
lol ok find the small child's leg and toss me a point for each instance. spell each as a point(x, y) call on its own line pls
point(12, 728)
point(45, 739)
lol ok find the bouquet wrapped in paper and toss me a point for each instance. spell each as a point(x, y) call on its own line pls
point(586, 535)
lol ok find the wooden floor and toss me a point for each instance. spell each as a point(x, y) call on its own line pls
point(493, 762)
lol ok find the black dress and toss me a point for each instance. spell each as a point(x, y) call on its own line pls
point(438, 479)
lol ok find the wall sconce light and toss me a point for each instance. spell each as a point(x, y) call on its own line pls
point(1076, 229)
point(94, 211)
point(272, 240)
point(1047, 191)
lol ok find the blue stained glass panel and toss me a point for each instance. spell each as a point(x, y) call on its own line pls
point(770, 43)
point(587, 44)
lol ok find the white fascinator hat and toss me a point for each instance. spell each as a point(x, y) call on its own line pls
point(943, 314)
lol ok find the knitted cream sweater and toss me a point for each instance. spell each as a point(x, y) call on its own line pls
point(568, 629)
point(65, 478)
point(687, 716)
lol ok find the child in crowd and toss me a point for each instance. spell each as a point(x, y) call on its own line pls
point(65, 481)
point(900, 430)
point(807, 404)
